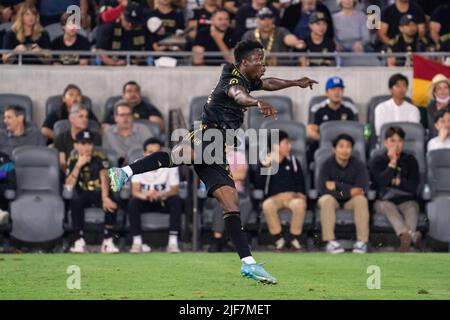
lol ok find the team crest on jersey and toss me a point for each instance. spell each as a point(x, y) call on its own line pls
point(234, 81)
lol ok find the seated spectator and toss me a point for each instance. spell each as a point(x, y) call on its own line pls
point(440, 27)
point(239, 169)
point(406, 41)
point(232, 6)
point(155, 191)
point(442, 124)
point(396, 109)
point(173, 20)
point(395, 177)
point(439, 97)
point(331, 109)
point(79, 121)
point(296, 18)
point(27, 34)
point(72, 95)
point(87, 176)
point(217, 38)
point(201, 16)
point(70, 41)
point(51, 10)
point(110, 13)
point(7, 182)
point(318, 41)
point(273, 38)
point(131, 93)
point(9, 9)
point(125, 134)
point(390, 20)
point(284, 190)
point(246, 16)
point(350, 25)
point(343, 182)
point(126, 34)
point(17, 133)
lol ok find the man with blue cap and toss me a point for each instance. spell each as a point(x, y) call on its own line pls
point(330, 109)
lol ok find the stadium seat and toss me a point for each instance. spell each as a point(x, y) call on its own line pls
point(37, 211)
point(283, 105)
point(62, 126)
point(154, 128)
point(55, 30)
point(54, 103)
point(438, 181)
point(196, 108)
point(109, 105)
point(319, 101)
point(331, 129)
point(25, 102)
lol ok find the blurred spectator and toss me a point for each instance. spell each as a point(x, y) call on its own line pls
point(428, 6)
point(439, 99)
point(70, 41)
point(159, 33)
point(172, 19)
point(112, 10)
point(27, 34)
point(201, 16)
point(318, 41)
point(406, 41)
point(331, 109)
point(296, 18)
point(217, 38)
point(395, 177)
point(72, 95)
point(396, 109)
point(246, 16)
point(9, 9)
point(390, 19)
point(79, 121)
point(343, 182)
point(131, 93)
point(440, 27)
point(442, 125)
point(284, 189)
point(232, 6)
point(350, 27)
point(273, 38)
point(155, 191)
point(125, 134)
point(7, 182)
point(88, 178)
point(16, 133)
point(126, 34)
point(52, 10)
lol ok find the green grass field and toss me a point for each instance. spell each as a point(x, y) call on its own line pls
point(216, 276)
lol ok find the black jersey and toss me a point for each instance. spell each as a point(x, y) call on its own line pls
point(222, 110)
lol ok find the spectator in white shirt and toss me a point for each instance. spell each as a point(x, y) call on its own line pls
point(396, 109)
point(155, 191)
point(442, 124)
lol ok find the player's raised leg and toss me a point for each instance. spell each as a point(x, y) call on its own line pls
point(229, 200)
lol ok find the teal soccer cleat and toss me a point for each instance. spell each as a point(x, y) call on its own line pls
point(256, 272)
point(117, 179)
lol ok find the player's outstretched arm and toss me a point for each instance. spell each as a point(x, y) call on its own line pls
point(273, 84)
point(240, 95)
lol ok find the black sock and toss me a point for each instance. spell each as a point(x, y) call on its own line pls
point(160, 159)
point(238, 237)
point(109, 233)
point(277, 237)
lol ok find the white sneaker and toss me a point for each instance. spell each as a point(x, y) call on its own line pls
point(140, 248)
point(79, 246)
point(173, 248)
point(296, 245)
point(334, 247)
point(108, 246)
point(360, 247)
point(280, 243)
point(3, 217)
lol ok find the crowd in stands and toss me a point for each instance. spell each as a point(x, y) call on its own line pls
point(311, 26)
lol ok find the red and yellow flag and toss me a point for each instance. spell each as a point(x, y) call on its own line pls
point(424, 71)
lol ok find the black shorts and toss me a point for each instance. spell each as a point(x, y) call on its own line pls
point(213, 175)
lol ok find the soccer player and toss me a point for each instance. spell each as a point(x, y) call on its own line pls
point(223, 110)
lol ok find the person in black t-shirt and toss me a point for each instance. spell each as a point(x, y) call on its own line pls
point(407, 41)
point(27, 34)
point(217, 38)
point(318, 41)
point(172, 20)
point(128, 34)
point(440, 27)
point(70, 41)
point(131, 93)
point(390, 19)
point(201, 17)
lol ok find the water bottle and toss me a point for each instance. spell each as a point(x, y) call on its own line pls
point(202, 187)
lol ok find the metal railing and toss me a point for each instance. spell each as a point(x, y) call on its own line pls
point(185, 57)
